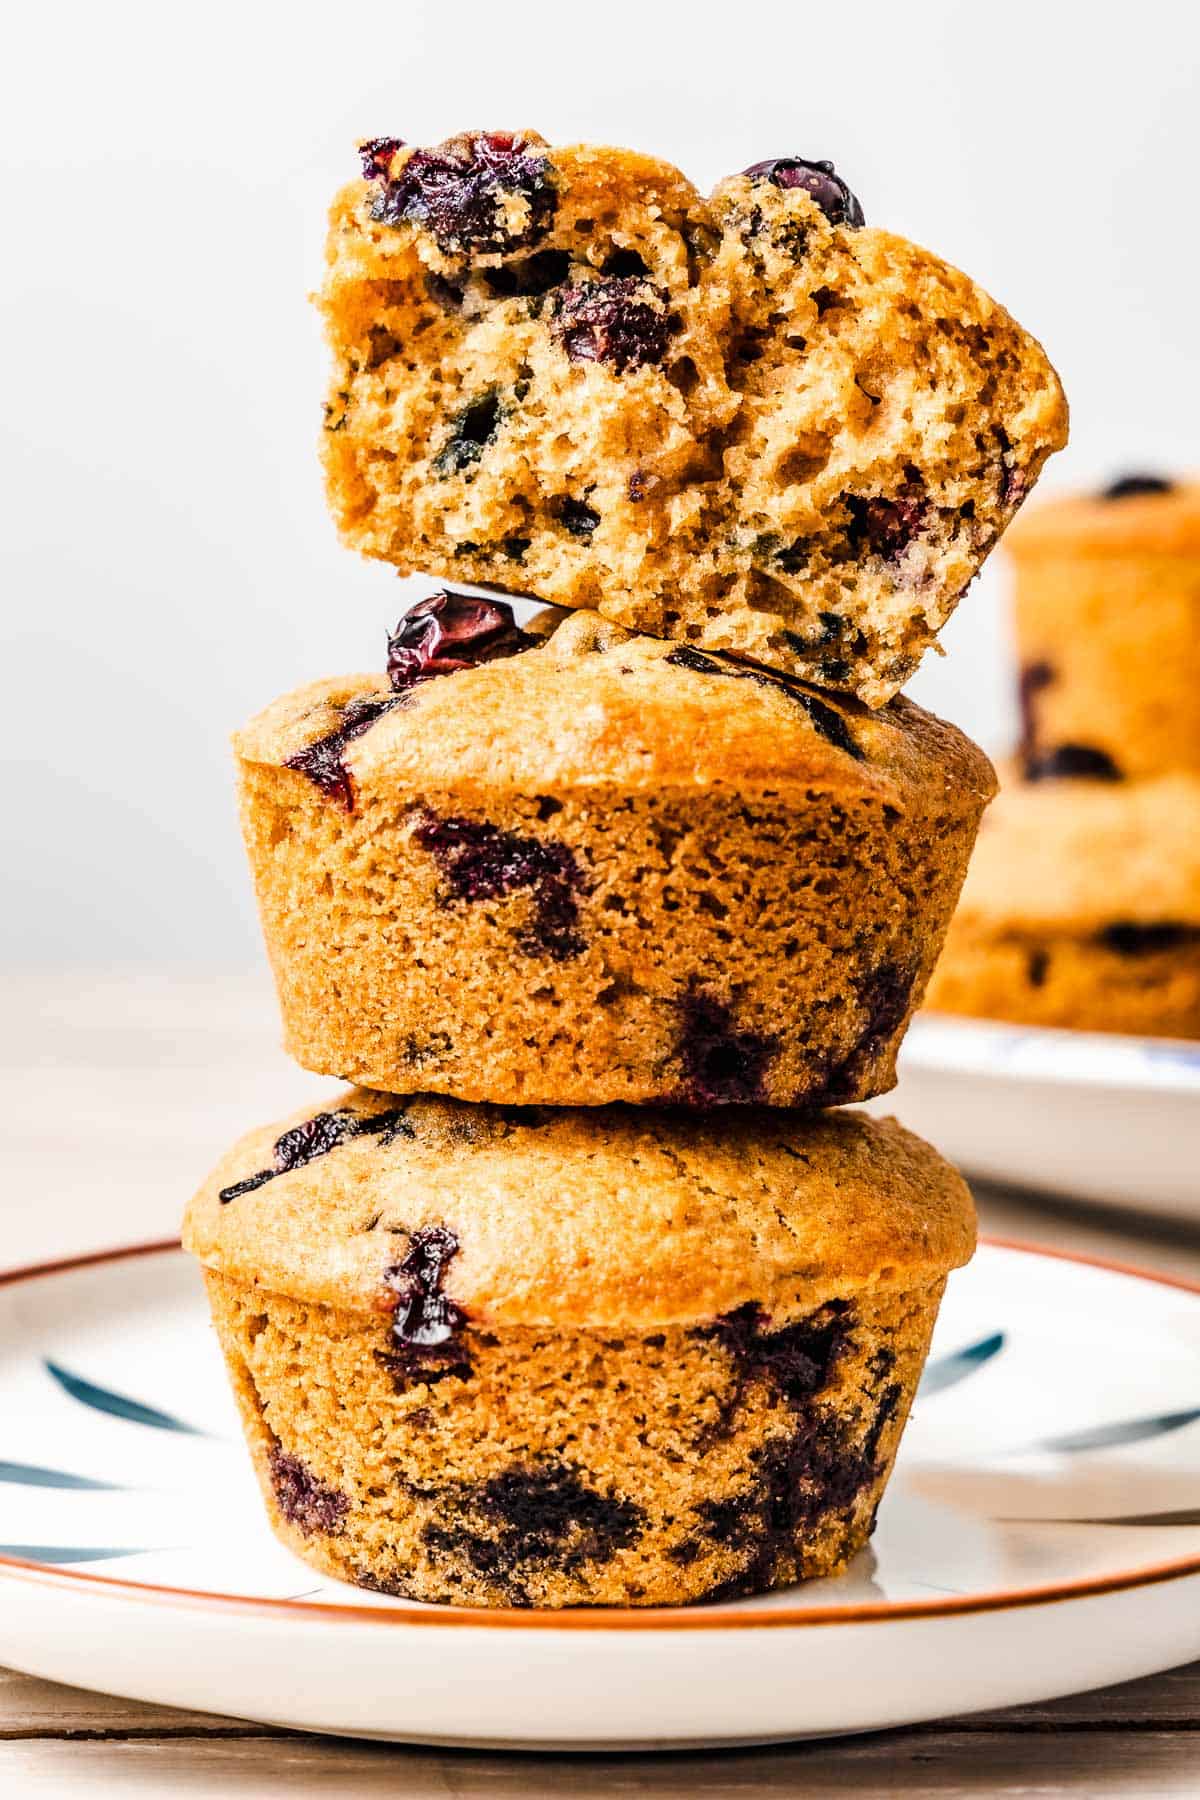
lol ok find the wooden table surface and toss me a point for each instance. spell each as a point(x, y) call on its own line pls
point(122, 1089)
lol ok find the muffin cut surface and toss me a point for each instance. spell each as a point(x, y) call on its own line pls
point(746, 422)
point(510, 1356)
point(601, 868)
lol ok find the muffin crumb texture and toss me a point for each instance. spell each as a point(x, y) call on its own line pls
point(749, 422)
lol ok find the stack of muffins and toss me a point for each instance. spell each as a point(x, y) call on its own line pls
point(582, 1294)
point(1082, 907)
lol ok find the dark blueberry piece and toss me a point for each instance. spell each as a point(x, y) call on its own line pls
point(1037, 968)
point(458, 192)
point(579, 518)
point(830, 723)
point(887, 524)
point(323, 760)
point(426, 1321)
point(722, 1066)
point(1033, 678)
point(1071, 762)
point(1127, 485)
point(471, 430)
point(382, 346)
point(832, 631)
point(376, 155)
point(1128, 938)
point(317, 1137)
point(481, 862)
point(301, 1498)
point(449, 632)
point(819, 179)
point(532, 276)
point(622, 321)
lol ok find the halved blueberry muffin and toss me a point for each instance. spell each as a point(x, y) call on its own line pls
point(534, 1357)
point(600, 867)
point(749, 422)
point(1107, 608)
point(1081, 908)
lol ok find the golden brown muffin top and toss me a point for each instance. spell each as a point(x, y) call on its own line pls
point(1165, 522)
point(1078, 855)
point(609, 1217)
point(595, 706)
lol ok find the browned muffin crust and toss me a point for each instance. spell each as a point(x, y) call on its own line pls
point(606, 868)
point(510, 1357)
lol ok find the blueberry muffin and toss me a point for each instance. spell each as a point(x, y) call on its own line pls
point(534, 1357)
point(748, 422)
point(597, 867)
point(1108, 631)
point(1082, 908)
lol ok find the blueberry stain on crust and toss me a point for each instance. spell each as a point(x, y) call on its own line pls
point(825, 718)
point(722, 1065)
point(797, 1360)
point(1070, 762)
point(424, 1343)
point(323, 761)
point(302, 1499)
point(528, 1521)
point(885, 994)
point(1131, 938)
point(462, 191)
point(1126, 486)
point(1034, 679)
point(481, 862)
point(818, 179)
point(450, 632)
point(316, 1137)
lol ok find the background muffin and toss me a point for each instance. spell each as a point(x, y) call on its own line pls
point(1107, 614)
point(535, 1357)
point(1082, 908)
point(600, 868)
point(749, 422)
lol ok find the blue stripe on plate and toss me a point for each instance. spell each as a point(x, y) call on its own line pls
point(1122, 1431)
point(30, 1475)
point(947, 1371)
point(68, 1553)
point(120, 1406)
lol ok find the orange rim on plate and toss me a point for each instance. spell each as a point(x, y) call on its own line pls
point(655, 1618)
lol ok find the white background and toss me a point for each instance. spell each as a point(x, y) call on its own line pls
point(168, 566)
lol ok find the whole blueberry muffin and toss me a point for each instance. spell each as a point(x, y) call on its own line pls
point(534, 1357)
point(597, 867)
point(1081, 908)
point(1108, 631)
point(748, 422)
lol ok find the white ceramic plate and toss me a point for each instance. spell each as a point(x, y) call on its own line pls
point(1080, 1114)
point(1041, 1535)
